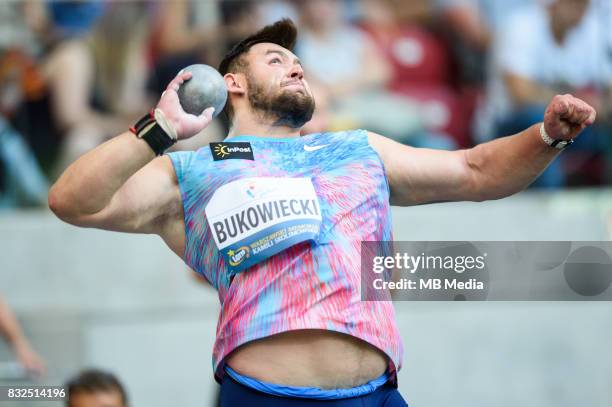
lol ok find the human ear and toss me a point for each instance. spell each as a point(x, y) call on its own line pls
point(234, 83)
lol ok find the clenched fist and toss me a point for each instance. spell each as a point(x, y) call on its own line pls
point(566, 116)
point(174, 120)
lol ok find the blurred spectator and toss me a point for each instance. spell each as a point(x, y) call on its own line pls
point(191, 31)
point(346, 70)
point(86, 70)
point(73, 73)
point(96, 388)
point(543, 51)
point(183, 33)
point(18, 18)
point(54, 101)
point(470, 27)
point(11, 331)
point(466, 20)
point(22, 183)
point(270, 11)
point(340, 57)
point(422, 67)
point(601, 13)
point(187, 32)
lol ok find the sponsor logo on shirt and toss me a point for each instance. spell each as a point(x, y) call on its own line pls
point(233, 150)
point(314, 148)
point(238, 256)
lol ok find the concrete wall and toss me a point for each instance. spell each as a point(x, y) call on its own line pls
point(126, 303)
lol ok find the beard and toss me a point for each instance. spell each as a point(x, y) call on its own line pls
point(287, 108)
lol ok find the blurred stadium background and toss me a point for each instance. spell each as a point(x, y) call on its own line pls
point(431, 73)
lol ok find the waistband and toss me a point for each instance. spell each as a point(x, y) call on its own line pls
point(308, 392)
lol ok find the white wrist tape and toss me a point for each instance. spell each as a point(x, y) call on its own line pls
point(558, 144)
point(165, 124)
point(547, 139)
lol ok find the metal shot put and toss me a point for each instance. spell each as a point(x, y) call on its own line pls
point(205, 89)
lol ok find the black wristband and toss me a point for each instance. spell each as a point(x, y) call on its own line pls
point(150, 131)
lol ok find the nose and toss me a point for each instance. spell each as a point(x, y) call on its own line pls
point(296, 72)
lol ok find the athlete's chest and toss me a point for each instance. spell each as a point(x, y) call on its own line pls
point(323, 161)
point(257, 199)
point(342, 174)
point(262, 199)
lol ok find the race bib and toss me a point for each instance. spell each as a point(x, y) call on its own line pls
point(252, 219)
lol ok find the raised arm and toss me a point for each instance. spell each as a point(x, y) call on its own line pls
point(120, 185)
point(492, 170)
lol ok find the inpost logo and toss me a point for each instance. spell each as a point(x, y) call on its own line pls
point(221, 151)
point(234, 150)
point(239, 255)
point(224, 151)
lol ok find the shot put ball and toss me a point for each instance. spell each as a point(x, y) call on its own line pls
point(205, 89)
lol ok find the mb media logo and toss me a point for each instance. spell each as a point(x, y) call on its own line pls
point(229, 151)
point(239, 255)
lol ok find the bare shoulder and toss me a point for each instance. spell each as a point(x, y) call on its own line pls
point(172, 190)
point(147, 202)
point(169, 207)
point(422, 175)
point(394, 155)
point(170, 225)
point(165, 166)
point(383, 145)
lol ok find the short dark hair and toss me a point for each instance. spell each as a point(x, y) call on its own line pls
point(94, 381)
point(282, 32)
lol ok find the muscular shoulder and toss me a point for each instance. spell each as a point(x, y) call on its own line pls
point(422, 175)
point(169, 225)
point(179, 163)
point(155, 190)
point(387, 149)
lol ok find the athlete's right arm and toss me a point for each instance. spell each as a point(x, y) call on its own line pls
point(120, 185)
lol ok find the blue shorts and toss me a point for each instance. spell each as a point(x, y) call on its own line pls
point(239, 390)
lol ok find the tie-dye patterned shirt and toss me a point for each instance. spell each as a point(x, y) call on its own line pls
point(295, 211)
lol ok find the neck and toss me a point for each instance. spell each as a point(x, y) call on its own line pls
point(261, 127)
point(559, 33)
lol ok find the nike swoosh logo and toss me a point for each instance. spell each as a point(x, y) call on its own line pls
point(314, 148)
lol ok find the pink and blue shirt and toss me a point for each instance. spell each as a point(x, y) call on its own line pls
point(276, 225)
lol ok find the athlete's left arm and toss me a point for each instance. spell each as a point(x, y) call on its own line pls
point(491, 170)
